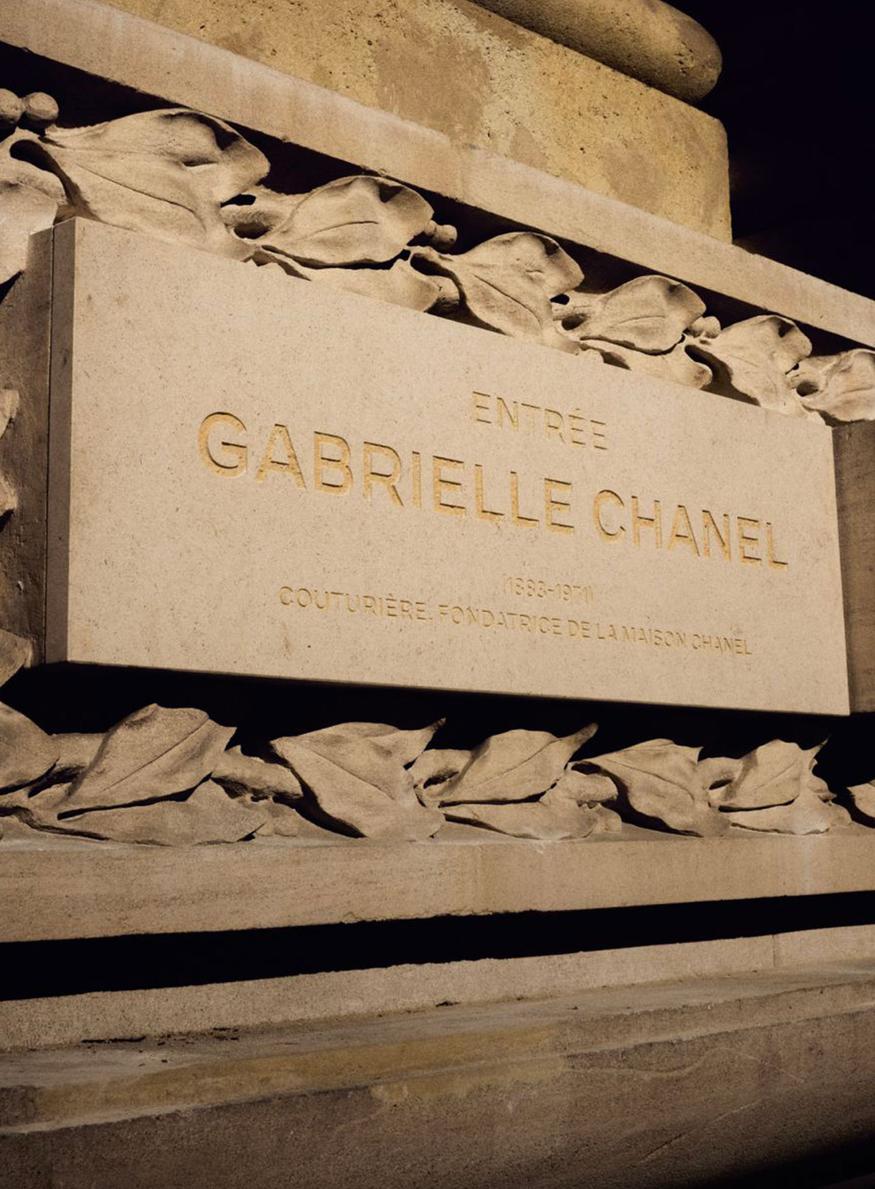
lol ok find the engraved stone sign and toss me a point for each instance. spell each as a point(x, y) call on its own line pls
point(252, 474)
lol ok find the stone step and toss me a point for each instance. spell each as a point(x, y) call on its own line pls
point(670, 1083)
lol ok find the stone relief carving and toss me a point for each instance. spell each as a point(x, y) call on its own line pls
point(191, 178)
point(169, 777)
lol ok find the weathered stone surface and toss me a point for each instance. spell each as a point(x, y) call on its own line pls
point(444, 559)
point(154, 752)
point(723, 1077)
point(649, 40)
point(26, 752)
point(453, 67)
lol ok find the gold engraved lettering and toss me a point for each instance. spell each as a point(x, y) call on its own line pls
point(709, 525)
point(774, 561)
point(553, 424)
point(607, 534)
point(442, 486)
point(744, 539)
point(654, 522)
point(553, 505)
point(321, 463)
point(371, 451)
point(576, 426)
point(235, 452)
point(288, 465)
point(504, 412)
point(416, 478)
point(682, 530)
point(517, 519)
point(480, 509)
point(481, 405)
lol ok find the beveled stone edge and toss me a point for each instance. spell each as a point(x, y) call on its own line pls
point(98, 39)
point(69, 890)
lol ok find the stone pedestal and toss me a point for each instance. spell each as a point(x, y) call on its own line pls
point(309, 392)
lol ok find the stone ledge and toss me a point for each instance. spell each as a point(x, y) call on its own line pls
point(604, 1088)
point(62, 888)
point(97, 39)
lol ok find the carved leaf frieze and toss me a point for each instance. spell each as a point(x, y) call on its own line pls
point(185, 176)
point(752, 360)
point(153, 753)
point(839, 387)
point(165, 173)
point(168, 777)
point(649, 314)
point(663, 780)
point(26, 752)
point(356, 776)
point(507, 282)
point(513, 766)
point(774, 774)
point(354, 220)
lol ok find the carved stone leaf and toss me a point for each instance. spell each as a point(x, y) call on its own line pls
point(863, 796)
point(774, 774)
point(400, 746)
point(400, 284)
point(647, 313)
point(662, 780)
point(675, 365)
point(507, 282)
point(161, 172)
point(584, 788)
point(357, 778)
point(513, 766)
point(751, 360)
point(808, 814)
point(15, 653)
point(243, 775)
point(154, 752)
point(23, 211)
point(840, 387)
point(9, 402)
point(529, 819)
point(354, 220)
point(432, 770)
point(26, 751)
point(38, 809)
point(208, 815)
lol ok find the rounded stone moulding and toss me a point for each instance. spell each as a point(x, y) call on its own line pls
point(646, 39)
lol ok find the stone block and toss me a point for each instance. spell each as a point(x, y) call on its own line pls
point(467, 512)
point(855, 488)
point(451, 66)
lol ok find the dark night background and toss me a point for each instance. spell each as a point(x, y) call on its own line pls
point(797, 97)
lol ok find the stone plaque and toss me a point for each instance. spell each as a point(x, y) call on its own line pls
point(258, 475)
